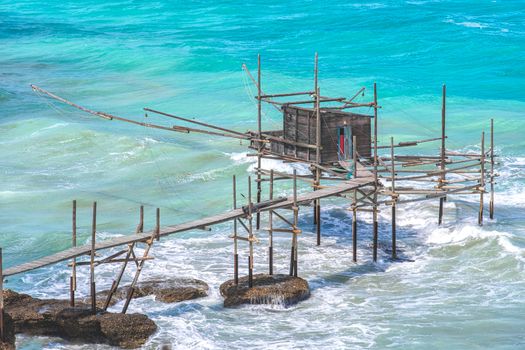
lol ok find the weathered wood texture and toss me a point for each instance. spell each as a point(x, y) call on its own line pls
point(299, 126)
point(341, 187)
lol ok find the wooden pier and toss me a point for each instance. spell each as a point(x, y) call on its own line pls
point(345, 159)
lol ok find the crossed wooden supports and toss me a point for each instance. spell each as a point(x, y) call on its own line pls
point(247, 224)
point(129, 253)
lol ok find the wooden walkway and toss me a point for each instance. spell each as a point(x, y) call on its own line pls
point(70, 253)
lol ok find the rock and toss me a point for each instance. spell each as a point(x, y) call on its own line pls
point(170, 291)
point(267, 289)
point(8, 343)
point(31, 315)
point(128, 332)
point(56, 318)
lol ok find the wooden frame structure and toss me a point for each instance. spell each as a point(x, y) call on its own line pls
point(368, 181)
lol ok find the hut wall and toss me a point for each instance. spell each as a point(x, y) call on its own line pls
point(299, 125)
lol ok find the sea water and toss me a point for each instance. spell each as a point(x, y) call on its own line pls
point(461, 285)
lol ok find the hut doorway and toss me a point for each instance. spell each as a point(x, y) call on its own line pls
point(344, 142)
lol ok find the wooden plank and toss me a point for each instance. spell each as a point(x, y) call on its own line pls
point(343, 186)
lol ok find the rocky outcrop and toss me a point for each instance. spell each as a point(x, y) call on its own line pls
point(55, 318)
point(8, 342)
point(169, 291)
point(267, 289)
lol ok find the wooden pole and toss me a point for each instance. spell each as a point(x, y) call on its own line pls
point(375, 237)
point(140, 266)
point(250, 227)
point(443, 150)
point(376, 187)
point(140, 228)
point(293, 267)
point(354, 204)
point(235, 247)
point(491, 204)
point(316, 93)
point(394, 199)
point(92, 261)
point(157, 224)
point(73, 279)
point(482, 180)
point(2, 335)
point(318, 161)
point(270, 229)
point(116, 282)
point(259, 130)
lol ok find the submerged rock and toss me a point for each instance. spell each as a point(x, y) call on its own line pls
point(169, 291)
point(267, 289)
point(56, 318)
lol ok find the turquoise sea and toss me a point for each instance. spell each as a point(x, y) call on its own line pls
point(465, 288)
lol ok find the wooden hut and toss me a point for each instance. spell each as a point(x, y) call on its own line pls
point(297, 139)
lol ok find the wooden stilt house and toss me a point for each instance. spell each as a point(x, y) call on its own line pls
point(297, 139)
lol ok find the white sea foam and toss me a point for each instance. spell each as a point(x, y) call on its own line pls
point(467, 24)
point(54, 126)
point(241, 157)
point(275, 164)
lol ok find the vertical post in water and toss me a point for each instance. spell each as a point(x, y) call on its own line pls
point(354, 204)
point(394, 199)
point(157, 224)
point(92, 261)
point(259, 136)
point(250, 238)
point(443, 150)
point(259, 132)
point(491, 204)
point(1, 298)
point(315, 104)
point(293, 267)
point(270, 229)
point(482, 180)
point(235, 247)
point(140, 227)
point(375, 234)
point(73, 278)
point(318, 160)
point(317, 155)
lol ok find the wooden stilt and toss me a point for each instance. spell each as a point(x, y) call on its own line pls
point(116, 282)
point(375, 237)
point(291, 260)
point(92, 261)
point(491, 204)
point(235, 243)
point(73, 279)
point(482, 180)
point(354, 204)
point(394, 199)
point(317, 169)
point(295, 227)
point(157, 224)
point(376, 183)
point(443, 150)
point(140, 226)
point(318, 226)
point(250, 227)
point(250, 272)
point(140, 266)
point(394, 247)
point(317, 182)
point(259, 129)
point(270, 229)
